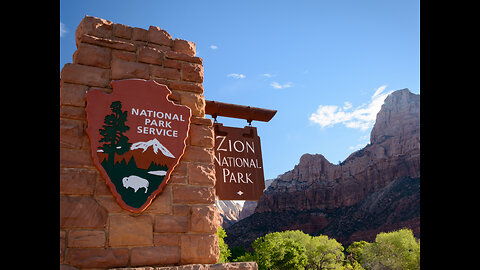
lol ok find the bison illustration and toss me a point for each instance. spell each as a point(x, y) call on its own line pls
point(135, 182)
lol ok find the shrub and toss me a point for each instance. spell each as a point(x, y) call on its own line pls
point(295, 250)
point(224, 251)
point(393, 250)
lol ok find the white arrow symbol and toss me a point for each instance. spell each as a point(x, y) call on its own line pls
point(240, 192)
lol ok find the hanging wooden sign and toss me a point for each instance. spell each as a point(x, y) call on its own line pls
point(238, 163)
point(137, 138)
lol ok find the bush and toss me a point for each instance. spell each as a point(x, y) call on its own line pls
point(224, 251)
point(393, 250)
point(295, 250)
point(324, 253)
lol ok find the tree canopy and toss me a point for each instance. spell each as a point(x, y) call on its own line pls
point(297, 250)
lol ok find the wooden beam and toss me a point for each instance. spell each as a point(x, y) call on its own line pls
point(215, 108)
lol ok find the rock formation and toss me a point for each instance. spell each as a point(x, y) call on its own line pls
point(342, 200)
point(229, 211)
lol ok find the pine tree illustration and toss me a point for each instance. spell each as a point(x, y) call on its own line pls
point(113, 132)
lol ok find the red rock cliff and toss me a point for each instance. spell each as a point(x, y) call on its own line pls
point(393, 152)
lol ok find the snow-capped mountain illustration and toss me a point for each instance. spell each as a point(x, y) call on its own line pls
point(156, 145)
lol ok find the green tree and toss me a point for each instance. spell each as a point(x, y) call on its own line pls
point(280, 250)
point(393, 250)
point(355, 251)
point(224, 251)
point(237, 251)
point(324, 253)
point(112, 132)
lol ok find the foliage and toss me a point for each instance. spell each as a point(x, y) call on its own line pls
point(355, 251)
point(324, 253)
point(297, 250)
point(237, 252)
point(280, 250)
point(393, 250)
point(224, 251)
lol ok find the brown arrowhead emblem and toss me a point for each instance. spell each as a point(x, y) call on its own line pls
point(137, 138)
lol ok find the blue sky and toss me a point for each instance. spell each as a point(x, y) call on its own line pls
point(326, 66)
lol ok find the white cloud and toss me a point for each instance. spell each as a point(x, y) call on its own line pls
point(276, 85)
point(63, 29)
point(362, 117)
point(379, 90)
point(213, 47)
point(268, 75)
point(347, 105)
point(236, 76)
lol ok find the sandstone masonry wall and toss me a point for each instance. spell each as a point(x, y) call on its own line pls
point(179, 227)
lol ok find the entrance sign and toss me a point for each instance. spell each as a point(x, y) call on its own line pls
point(238, 163)
point(137, 138)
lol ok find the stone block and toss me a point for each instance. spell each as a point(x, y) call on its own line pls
point(62, 245)
point(93, 26)
point(172, 63)
point(86, 238)
point(183, 57)
point(204, 219)
point(166, 73)
point(162, 204)
point(77, 181)
point(123, 55)
point(193, 195)
point(72, 94)
point(171, 224)
point(159, 36)
point(122, 31)
point(184, 46)
point(83, 212)
point(181, 210)
point(72, 133)
point(199, 248)
point(127, 230)
point(139, 34)
point(75, 158)
point(90, 55)
point(109, 43)
point(150, 55)
point(97, 257)
point(201, 174)
point(122, 69)
point(201, 136)
point(198, 154)
point(192, 72)
point(186, 86)
point(162, 239)
point(72, 112)
point(195, 101)
point(151, 256)
point(86, 75)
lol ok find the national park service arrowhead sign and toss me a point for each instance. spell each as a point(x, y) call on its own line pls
point(137, 138)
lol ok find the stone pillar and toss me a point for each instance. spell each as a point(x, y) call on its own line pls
point(179, 227)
